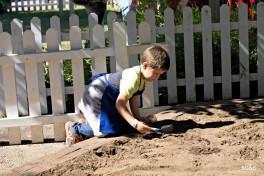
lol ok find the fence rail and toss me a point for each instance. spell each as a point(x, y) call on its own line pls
point(22, 58)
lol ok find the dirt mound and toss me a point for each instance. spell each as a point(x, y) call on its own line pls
point(204, 150)
point(249, 153)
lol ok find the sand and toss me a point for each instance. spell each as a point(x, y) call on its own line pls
point(217, 138)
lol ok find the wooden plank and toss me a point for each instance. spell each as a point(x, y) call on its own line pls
point(207, 54)
point(93, 20)
point(120, 43)
point(260, 27)
point(59, 132)
point(110, 19)
point(25, 132)
point(225, 52)
point(189, 54)
point(145, 37)
point(36, 29)
point(17, 30)
point(77, 66)
point(132, 36)
point(150, 18)
point(8, 79)
point(37, 134)
point(98, 41)
point(14, 135)
point(56, 74)
point(74, 20)
point(48, 131)
point(55, 24)
point(170, 40)
point(243, 51)
point(32, 75)
point(4, 135)
point(1, 27)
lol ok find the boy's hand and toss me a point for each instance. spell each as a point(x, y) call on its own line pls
point(144, 128)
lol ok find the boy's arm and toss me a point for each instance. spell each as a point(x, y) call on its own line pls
point(123, 110)
point(134, 103)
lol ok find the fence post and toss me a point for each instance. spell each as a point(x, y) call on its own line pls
point(260, 27)
point(77, 66)
point(150, 18)
point(243, 51)
point(9, 80)
point(55, 74)
point(31, 69)
point(17, 32)
point(144, 31)
point(189, 54)
point(120, 46)
point(169, 28)
point(225, 52)
point(36, 29)
point(207, 54)
point(1, 27)
point(110, 20)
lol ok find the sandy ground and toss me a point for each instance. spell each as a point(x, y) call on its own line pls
point(220, 138)
point(16, 155)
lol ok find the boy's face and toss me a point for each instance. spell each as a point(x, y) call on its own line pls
point(150, 73)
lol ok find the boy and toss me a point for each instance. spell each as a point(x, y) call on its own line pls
point(104, 101)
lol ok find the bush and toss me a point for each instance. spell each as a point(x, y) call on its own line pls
point(4, 5)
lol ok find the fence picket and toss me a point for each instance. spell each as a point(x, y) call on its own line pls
point(120, 43)
point(110, 19)
point(1, 27)
point(77, 66)
point(36, 29)
point(144, 31)
point(17, 30)
point(55, 24)
point(9, 81)
point(132, 36)
point(14, 135)
point(207, 54)
point(225, 52)
point(150, 18)
point(189, 54)
point(243, 51)
point(55, 74)
point(31, 69)
point(37, 134)
point(170, 40)
point(98, 41)
point(260, 47)
point(93, 20)
point(74, 20)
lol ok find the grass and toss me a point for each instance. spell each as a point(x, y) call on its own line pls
point(44, 16)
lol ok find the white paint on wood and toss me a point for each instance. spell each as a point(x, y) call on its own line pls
point(59, 132)
point(1, 27)
point(31, 69)
point(93, 20)
point(132, 36)
point(189, 54)
point(243, 51)
point(225, 52)
point(77, 66)
point(145, 37)
point(14, 135)
point(150, 19)
point(36, 29)
point(37, 134)
point(120, 46)
point(207, 54)
point(55, 24)
point(110, 19)
point(98, 41)
point(170, 40)
point(8, 79)
point(74, 20)
point(25, 133)
point(56, 75)
point(17, 32)
point(4, 135)
point(260, 27)
point(48, 131)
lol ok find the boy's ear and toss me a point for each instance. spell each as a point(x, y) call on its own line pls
point(145, 65)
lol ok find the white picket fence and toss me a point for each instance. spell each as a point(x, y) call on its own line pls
point(23, 92)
